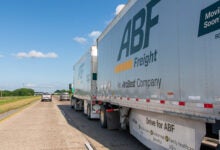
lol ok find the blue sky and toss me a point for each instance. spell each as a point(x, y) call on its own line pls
point(40, 40)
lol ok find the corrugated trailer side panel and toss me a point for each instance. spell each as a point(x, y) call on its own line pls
point(82, 77)
point(163, 56)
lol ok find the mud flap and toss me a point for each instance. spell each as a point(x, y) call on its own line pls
point(113, 119)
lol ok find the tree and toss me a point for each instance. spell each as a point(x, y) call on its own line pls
point(23, 92)
point(7, 93)
point(61, 91)
point(18, 92)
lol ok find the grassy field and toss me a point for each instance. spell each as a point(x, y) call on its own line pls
point(15, 102)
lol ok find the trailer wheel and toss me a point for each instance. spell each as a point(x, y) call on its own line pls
point(89, 111)
point(75, 107)
point(71, 103)
point(103, 117)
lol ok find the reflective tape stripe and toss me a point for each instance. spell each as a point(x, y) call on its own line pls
point(181, 103)
point(148, 100)
point(162, 101)
point(111, 110)
point(208, 105)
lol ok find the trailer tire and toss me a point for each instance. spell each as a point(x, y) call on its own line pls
point(89, 111)
point(71, 105)
point(71, 102)
point(103, 117)
point(75, 107)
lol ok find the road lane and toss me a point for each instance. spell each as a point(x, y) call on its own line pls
point(40, 126)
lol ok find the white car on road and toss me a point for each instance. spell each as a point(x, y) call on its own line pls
point(46, 97)
point(64, 96)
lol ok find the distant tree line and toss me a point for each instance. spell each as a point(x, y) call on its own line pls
point(61, 91)
point(18, 92)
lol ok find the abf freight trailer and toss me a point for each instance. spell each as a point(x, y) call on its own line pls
point(84, 84)
point(159, 73)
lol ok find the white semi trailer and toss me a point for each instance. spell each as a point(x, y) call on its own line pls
point(159, 73)
point(84, 84)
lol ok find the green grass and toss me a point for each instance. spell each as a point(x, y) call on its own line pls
point(15, 102)
point(10, 99)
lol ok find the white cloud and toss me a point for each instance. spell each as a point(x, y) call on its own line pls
point(80, 40)
point(36, 54)
point(117, 11)
point(30, 85)
point(33, 85)
point(119, 8)
point(94, 35)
